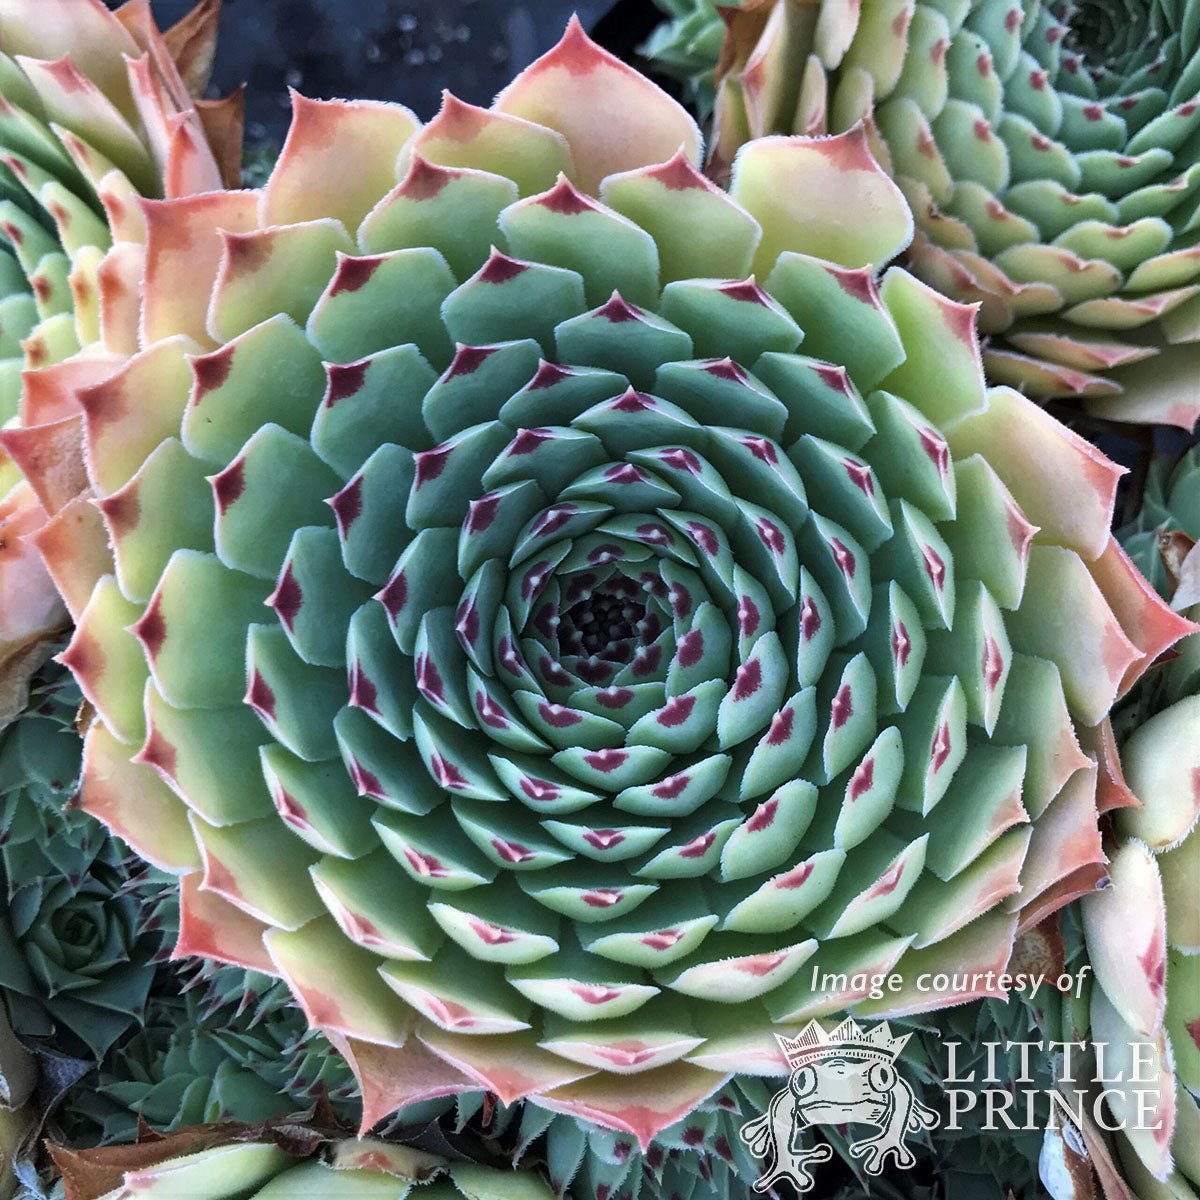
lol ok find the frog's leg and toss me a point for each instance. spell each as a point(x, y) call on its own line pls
point(899, 1100)
point(801, 1086)
point(777, 1136)
point(922, 1116)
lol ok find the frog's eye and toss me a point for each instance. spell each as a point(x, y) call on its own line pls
point(881, 1076)
point(803, 1082)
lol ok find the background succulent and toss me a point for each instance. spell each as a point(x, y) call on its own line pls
point(687, 47)
point(1051, 155)
point(197, 1058)
point(554, 753)
point(96, 109)
point(1158, 539)
point(75, 958)
point(1143, 931)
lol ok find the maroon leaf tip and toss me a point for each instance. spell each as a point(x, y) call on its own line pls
point(151, 629)
point(576, 52)
point(565, 198)
point(344, 379)
point(810, 619)
point(424, 179)
point(210, 371)
point(468, 360)
point(617, 310)
point(548, 374)
point(430, 464)
point(859, 283)
point(842, 708)
point(499, 268)
point(394, 595)
point(527, 441)
point(353, 273)
point(347, 504)
point(726, 369)
point(862, 779)
point(676, 711)
point(677, 174)
point(287, 597)
point(121, 510)
point(632, 401)
point(260, 697)
point(247, 252)
point(748, 679)
point(746, 291)
point(158, 753)
point(363, 693)
point(782, 724)
point(482, 513)
point(229, 485)
point(835, 378)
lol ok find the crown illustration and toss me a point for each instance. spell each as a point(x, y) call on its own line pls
point(848, 1040)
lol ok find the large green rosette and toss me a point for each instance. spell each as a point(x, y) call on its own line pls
point(557, 606)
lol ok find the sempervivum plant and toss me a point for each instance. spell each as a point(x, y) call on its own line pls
point(687, 46)
point(1143, 932)
point(1165, 527)
point(522, 643)
point(1051, 155)
point(75, 957)
point(96, 109)
point(195, 1059)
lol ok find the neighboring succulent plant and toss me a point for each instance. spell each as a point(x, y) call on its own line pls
point(970, 1158)
point(698, 1157)
point(281, 1161)
point(687, 46)
point(1143, 930)
point(1050, 152)
point(96, 110)
point(75, 960)
point(573, 739)
point(199, 1060)
point(1169, 504)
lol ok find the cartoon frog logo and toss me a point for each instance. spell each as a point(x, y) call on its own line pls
point(847, 1077)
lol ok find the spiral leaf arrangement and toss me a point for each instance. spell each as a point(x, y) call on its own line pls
point(568, 619)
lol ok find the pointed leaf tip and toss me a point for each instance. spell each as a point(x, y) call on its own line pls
point(338, 159)
point(613, 118)
point(824, 196)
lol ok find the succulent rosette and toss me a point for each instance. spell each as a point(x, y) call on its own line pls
point(686, 46)
point(195, 1059)
point(96, 110)
point(75, 956)
point(1051, 156)
point(1143, 931)
point(556, 606)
